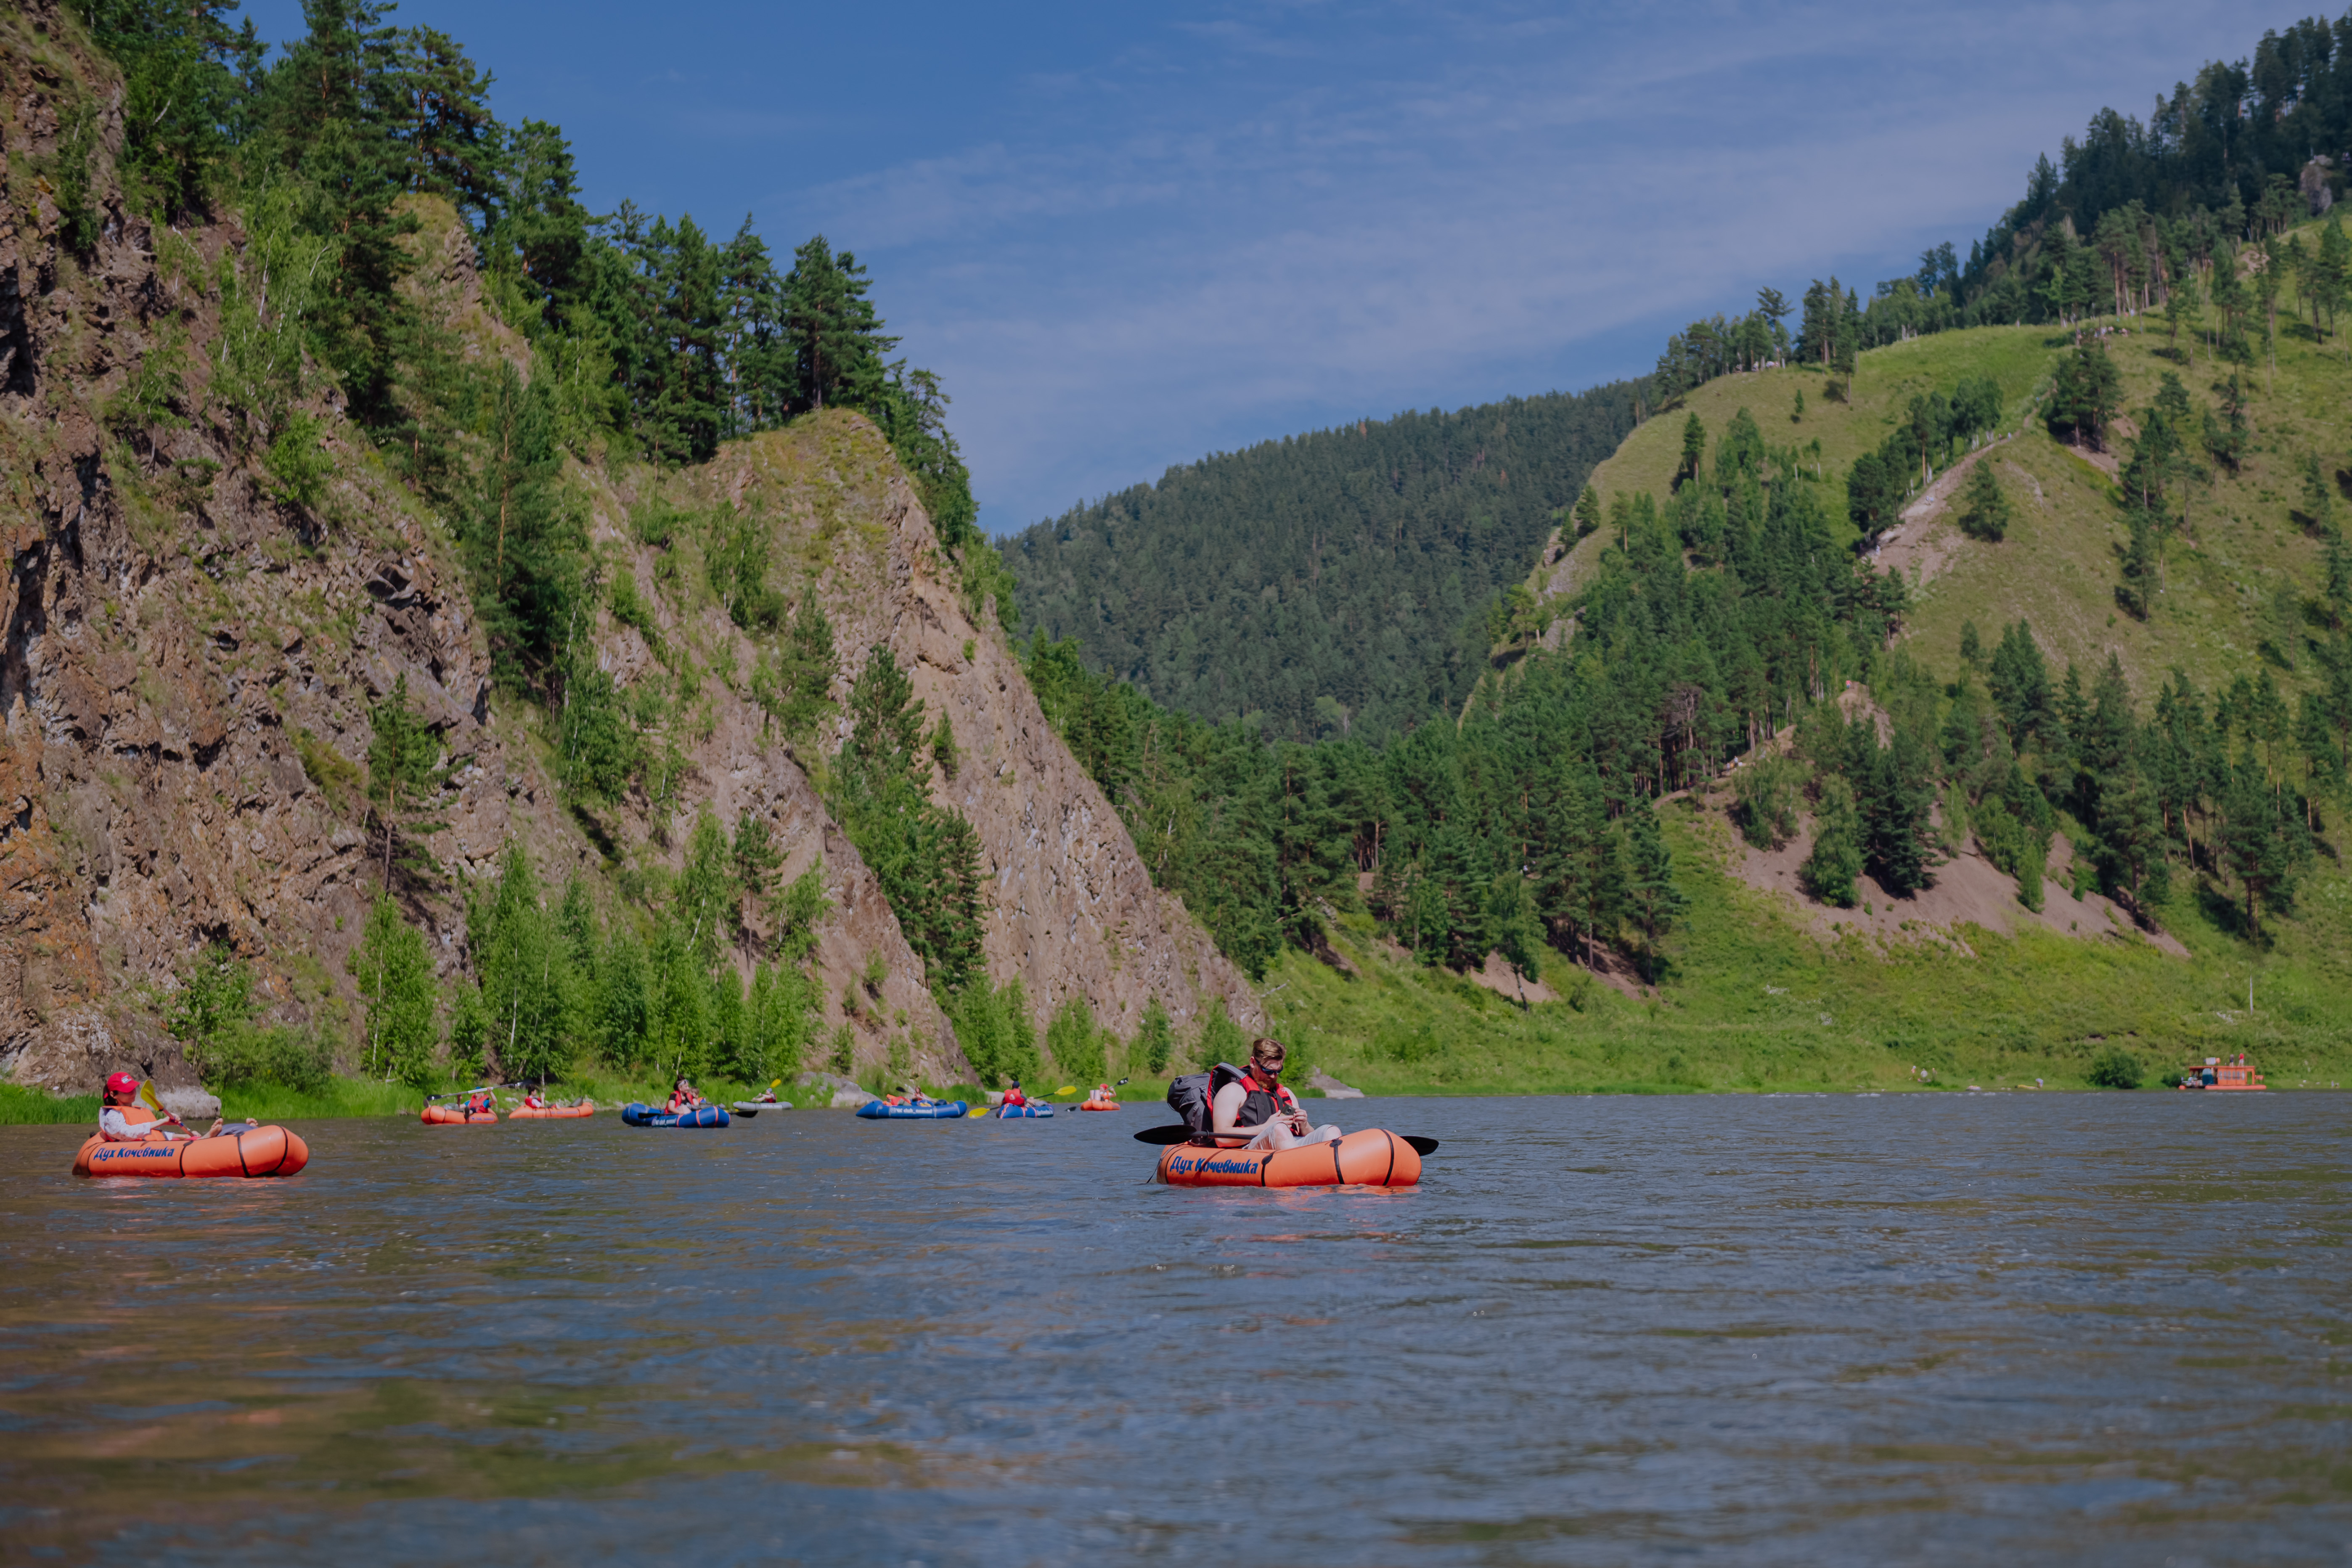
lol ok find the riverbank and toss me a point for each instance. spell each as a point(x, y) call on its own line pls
point(361, 1097)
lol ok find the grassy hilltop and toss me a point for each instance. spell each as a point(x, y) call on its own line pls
point(2058, 566)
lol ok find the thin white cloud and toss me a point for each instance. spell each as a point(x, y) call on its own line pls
point(1343, 226)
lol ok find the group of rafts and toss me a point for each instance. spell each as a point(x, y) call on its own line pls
point(1194, 1157)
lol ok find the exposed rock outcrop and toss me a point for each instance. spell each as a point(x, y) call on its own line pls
point(1073, 911)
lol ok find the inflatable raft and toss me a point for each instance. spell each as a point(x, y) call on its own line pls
point(454, 1116)
point(881, 1110)
point(552, 1112)
point(753, 1107)
point(1014, 1112)
point(251, 1152)
point(1372, 1158)
point(637, 1115)
point(1099, 1105)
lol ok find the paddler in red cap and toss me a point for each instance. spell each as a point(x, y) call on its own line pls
point(117, 1104)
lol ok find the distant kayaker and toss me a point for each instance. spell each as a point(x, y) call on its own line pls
point(682, 1098)
point(533, 1100)
point(1013, 1096)
point(481, 1104)
point(1256, 1104)
point(121, 1093)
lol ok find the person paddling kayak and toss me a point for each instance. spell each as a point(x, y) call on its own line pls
point(1012, 1095)
point(1255, 1105)
point(115, 1125)
point(682, 1098)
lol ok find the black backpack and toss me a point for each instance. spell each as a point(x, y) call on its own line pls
point(1190, 1096)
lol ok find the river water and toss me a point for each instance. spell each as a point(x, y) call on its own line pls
point(1964, 1329)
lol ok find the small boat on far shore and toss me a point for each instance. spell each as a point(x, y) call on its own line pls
point(2236, 1073)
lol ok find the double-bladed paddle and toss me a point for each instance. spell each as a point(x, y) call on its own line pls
point(1182, 1134)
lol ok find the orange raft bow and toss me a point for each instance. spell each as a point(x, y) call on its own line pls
point(255, 1151)
point(454, 1115)
point(1373, 1158)
point(1099, 1105)
point(551, 1113)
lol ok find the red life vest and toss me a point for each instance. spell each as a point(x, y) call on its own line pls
point(1015, 1097)
point(1260, 1107)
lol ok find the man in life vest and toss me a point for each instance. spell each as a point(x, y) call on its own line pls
point(1257, 1107)
point(1100, 1095)
point(682, 1098)
point(1012, 1095)
point(121, 1120)
point(533, 1100)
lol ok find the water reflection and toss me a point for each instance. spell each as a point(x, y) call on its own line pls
point(2054, 1328)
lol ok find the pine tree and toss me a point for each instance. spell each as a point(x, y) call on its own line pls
point(837, 343)
point(1651, 898)
point(1587, 511)
point(1829, 872)
point(1694, 449)
point(1984, 510)
point(1513, 928)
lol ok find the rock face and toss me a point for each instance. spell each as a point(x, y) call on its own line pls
point(187, 664)
point(1073, 911)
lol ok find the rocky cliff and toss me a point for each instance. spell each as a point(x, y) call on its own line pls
point(1073, 911)
point(190, 658)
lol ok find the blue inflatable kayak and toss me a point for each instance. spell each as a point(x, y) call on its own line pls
point(637, 1115)
point(875, 1110)
point(1016, 1111)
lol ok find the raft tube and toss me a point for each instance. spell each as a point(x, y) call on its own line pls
point(454, 1116)
point(552, 1112)
point(1373, 1158)
point(753, 1107)
point(877, 1111)
point(254, 1151)
point(1014, 1112)
point(1099, 1105)
point(637, 1115)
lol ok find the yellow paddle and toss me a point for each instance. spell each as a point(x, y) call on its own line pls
point(148, 1099)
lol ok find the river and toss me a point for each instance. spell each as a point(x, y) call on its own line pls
point(1953, 1328)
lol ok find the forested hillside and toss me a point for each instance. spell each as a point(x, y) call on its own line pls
point(1327, 584)
point(1908, 633)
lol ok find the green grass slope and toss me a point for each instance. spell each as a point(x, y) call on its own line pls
point(2058, 567)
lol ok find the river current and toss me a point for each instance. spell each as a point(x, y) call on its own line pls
point(1934, 1328)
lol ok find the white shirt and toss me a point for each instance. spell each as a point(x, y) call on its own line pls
point(115, 1127)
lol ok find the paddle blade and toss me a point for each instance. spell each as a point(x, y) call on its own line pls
point(1178, 1134)
point(147, 1097)
point(1420, 1145)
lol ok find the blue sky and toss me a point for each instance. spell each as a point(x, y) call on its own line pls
point(1126, 236)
